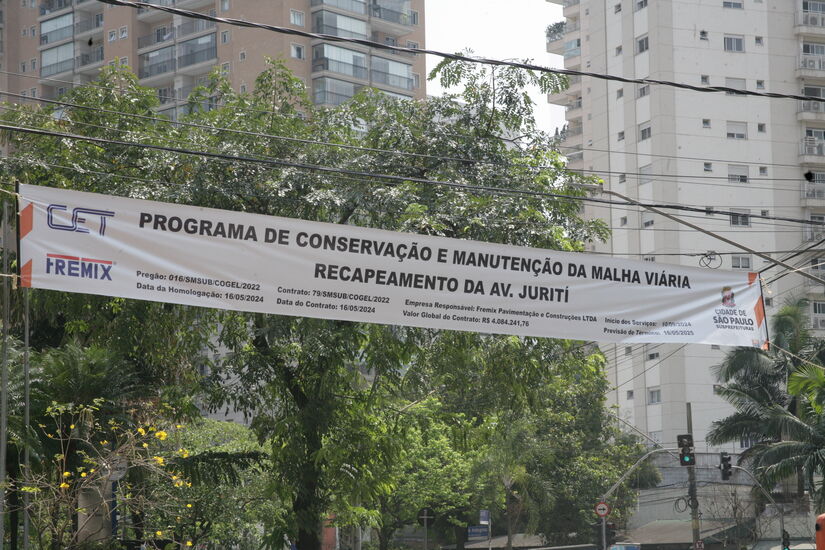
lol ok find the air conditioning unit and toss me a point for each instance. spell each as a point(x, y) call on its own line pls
point(812, 20)
point(809, 63)
point(819, 323)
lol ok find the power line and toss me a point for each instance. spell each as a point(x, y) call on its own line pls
point(454, 56)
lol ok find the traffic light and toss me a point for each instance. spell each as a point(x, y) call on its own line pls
point(786, 540)
point(724, 465)
point(611, 534)
point(686, 454)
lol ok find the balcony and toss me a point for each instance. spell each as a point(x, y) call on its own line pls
point(151, 15)
point(192, 4)
point(89, 61)
point(339, 67)
point(323, 97)
point(197, 56)
point(573, 105)
point(56, 68)
point(394, 80)
point(154, 38)
point(818, 321)
point(574, 86)
point(810, 23)
point(87, 5)
point(51, 6)
point(159, 67)
point(89, 25)
point(570, 7)
point(354, 6)
point(812, 151)
point(390, 21)
point(813, 194)
point(811, 110)
point(193, 27)
point(812, 66)
point(57, 35)
point(336, 31)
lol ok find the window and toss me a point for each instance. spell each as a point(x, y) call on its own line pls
point(653, 356)
point(617, 8)
point(765, 213)
point(225, 36)
point(33, 64)
point(735, 83)
point(124, 32)
point(704, 79)
point(759, 41)
point(642, 44)
point(654, 396)
point(33, 92)
point(124, 61)
point(645, 174)
point(737, 173)
point(242, 55)
point(24, 31)
point(760, 84)
point(644, 131)
point(768, 302)
point(740, 218)
point(619, 93)
point(818, 264)
point(737, 130)
point(33, 31)
point(296, 18)
point(296, 51)
point(714, 346)
point(740, 261)
point(621, 136)
point(629, 394)
point(24, 93)
point(414, 45)
point(23, 66)
point(761, 127)
point(703, 35)
point(416, 81)
point(61, 91)
point(763, 170)
point(243, 88)
point(628, 350)
point(747, 442)
point(648, 258)
point(705, 123)
point(618, 50)
point(644, 90)
point(623, 221)
point(707, 167)
point(112, 36)
point(622, 178)
point(641, 4)
point(734, 43)
point(733, 4)
point(708, 211)
point(818, 308)
point(647, 220)
point(413, 17)
point(224, 5)
point(224, 69)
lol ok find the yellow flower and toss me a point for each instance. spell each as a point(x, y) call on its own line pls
point(152, 428)
point(159, 533)
point(141, 431)
point(71, 426)
point(188, 505)
point(188, 543)
point(92, 470)
point(64, 485)
point(183, 452)
point(158, 460)
point(178, 483)
point(179, 426)
point(104, 442)
point(84, 474)
point(160, 434)
point(145, 445)
point(67, 474)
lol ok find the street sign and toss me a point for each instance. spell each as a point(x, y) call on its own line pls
point(484, 517)
point(477, 532)
point(700, 545)
point(602, 509)
point(426, 516)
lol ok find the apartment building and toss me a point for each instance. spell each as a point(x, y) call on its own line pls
point(50, 45)
point(744, 155)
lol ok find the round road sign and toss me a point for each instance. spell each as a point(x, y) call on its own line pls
point(602, 509)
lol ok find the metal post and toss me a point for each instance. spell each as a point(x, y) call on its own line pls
point(604, 532)
point(693, 501)
point(26, 414)
point(490, 533)
point(426, 517)
point(4, 374)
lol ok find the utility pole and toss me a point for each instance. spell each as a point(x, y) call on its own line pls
point(693, 501)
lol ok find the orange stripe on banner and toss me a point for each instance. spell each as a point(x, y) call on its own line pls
point(752, 277)
point(26, 220)
point(26, 275)
point(760, 312)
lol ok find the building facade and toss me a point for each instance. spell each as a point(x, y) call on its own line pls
point(50, 45)
point(716, 151)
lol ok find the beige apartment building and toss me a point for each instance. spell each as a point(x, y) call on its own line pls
point(48, 46)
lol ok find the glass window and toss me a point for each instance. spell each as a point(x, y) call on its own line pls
point(642, 44)
point(124, 32)
point(326, 57)
point(740, 218)
point(392, 73)
point(736, 4)
point(644, 131)
point(740, 261)
point(112, 36)
point(339, 25)
point(330, 91)
point(737, 173)
point(296, 51)
point(296, 17)
point(734, 43)
point(736, 84)
point(737, 130)
point(654, 396)
point(645, 173)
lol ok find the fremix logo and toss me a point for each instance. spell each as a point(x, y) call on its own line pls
point(77, 219)
point(727, 297)
point(75, 266)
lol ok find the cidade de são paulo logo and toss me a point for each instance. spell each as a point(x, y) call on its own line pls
point(78, 220)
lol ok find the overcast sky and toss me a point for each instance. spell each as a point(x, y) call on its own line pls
point(496, 29)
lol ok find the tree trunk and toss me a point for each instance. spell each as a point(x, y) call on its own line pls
point(507, 511)
point(384, 538)
point(460, 537)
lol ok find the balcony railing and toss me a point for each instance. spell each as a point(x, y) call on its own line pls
point(89, 58)
point(155, 38)
point(56, 68)
point(813, 62)
point(556, 33)
point(393, 16)
point(323, 97)
point(568, 3)
point(197, 56)
point(57, 35)
point(814, 190)
point(192, 27)
point(88, 25)
point(336, 31)
point(156, 68)
point(812, 106)
point(54, 5)
point(355, 6)
point(572, 52)
point(812, 146)
point(814, 233)
point(810, 19)
point(157, 2)
point(818, 322)
point(390, 79)
point(326, 64)
point(574, 105)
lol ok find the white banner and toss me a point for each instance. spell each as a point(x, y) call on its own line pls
point(113, 246)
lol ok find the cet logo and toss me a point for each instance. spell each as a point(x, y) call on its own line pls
point(75, 266)
point(77, 220)
point(727, 297)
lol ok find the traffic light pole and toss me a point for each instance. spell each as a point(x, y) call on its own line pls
point(693, 500)
point(770, 499)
